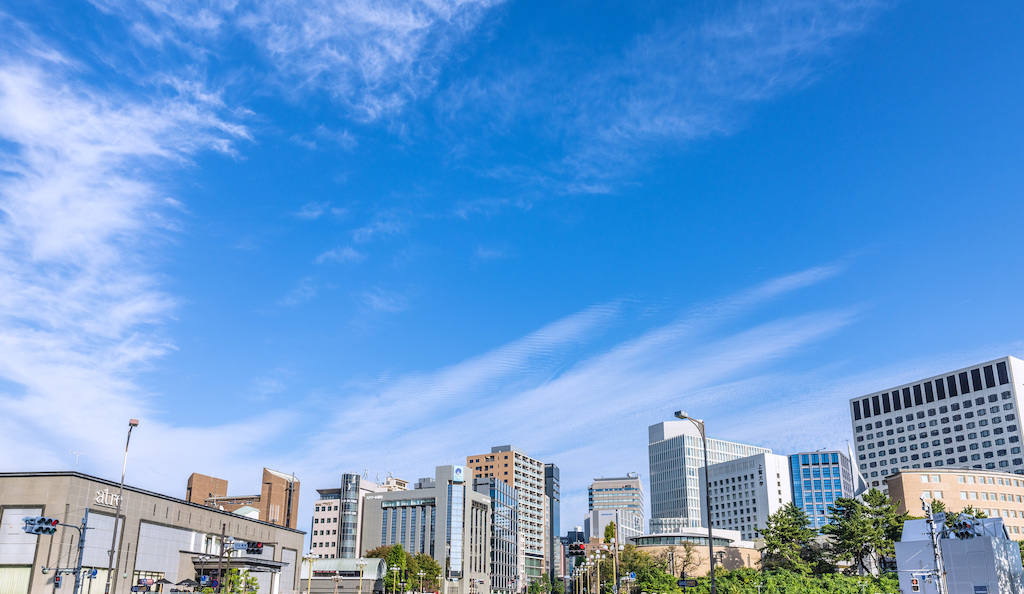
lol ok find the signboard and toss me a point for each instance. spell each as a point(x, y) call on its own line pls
point(632, 575)
point(458, 474)
point(687, 583)
point(203, 579)
point(239, 546)
point(106, 498)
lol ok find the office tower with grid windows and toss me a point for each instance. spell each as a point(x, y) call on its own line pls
point(967, 418)
point(819, 478)
point(745, 491)
point(526, 475)
point(675, 454)
point(619, 500)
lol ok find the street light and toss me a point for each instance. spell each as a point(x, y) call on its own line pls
point(309, 574)
point(707, 492)
point(202, 567)
point(120, 493)
point(394, 586)
point(361, 563)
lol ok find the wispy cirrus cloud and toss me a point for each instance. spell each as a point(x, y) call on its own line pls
point(81, 214)
point(544, 392)
point(690, 76)
point(371, 57)
point(341, 254)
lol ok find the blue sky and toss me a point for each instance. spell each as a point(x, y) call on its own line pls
point(326, 237)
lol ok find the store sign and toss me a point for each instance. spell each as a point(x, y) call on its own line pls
point(458, 474)
point(106, 498)
point(374, 497)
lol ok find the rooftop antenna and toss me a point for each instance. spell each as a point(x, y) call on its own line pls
point(77, 455)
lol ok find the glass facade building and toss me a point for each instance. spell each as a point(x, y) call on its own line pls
point(819, 478)
point(504, 532)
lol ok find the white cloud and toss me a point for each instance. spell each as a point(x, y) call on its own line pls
point(372, 57)
point(305, 290)
point(80, 310)
point(342, 254)
point(587, 414)
point(382, 301)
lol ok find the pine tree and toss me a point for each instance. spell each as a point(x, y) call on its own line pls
point(787, 539)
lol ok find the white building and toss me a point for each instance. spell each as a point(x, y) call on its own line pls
point(676, 453)
point(968, 418)
point(979, 560)
point(628, 524)
point(745, 491)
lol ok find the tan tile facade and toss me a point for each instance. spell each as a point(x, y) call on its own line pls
point(998, 494)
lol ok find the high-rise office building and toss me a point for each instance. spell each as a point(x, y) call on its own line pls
point(676, 453)
point(526, 476)
point(553, 521)
point(819, 478)
point(967, 418)
point(338, 513)
point(504, 533)
point(745, 491)
point(619, 500)
point(442, 517)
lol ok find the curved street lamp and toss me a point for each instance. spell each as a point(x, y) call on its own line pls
point(707, 491)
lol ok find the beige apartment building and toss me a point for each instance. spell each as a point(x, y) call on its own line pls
point(526, 475)
point(998, 494)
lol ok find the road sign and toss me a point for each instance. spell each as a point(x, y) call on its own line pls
point(632, 575)
point(687, 583)
point(215, 583)
point(238, 545)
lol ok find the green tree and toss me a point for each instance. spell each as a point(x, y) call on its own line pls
point(428, 565)
point(609, 532)
point(788, 541)
point(651, 572)
point(236, 582)
point(970, 510)
point(865, 531)
point(394, 556)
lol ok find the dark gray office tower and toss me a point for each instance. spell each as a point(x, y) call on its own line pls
point(504, 533)
point(554, 552)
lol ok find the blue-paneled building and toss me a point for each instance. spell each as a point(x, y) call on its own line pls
point(819, 478)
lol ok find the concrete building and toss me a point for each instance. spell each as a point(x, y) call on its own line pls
point(628, 523)
point(553, 521)
point(338, 512)
point(442, 517)
point(998, 494)
point(819, 478)
point(980, 560)
point(676, 453)
point(731, 550)
point(505, 570)
point(277, 502)
point(967, 417)
point(626, 493)
point(158, 537)
point(745, 491)
point(526, 476)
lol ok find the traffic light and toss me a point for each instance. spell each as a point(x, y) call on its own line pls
point(577, 549)
point(39, 525)
point(56, 581)
point(254, 548)
point(914, 585)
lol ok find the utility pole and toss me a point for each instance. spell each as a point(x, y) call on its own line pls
point(81, 551)
point(220, 557)
point(940, 570)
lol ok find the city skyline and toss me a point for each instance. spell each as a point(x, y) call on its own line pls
point(345, 237)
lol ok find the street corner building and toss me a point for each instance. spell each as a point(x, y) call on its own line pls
point(160, 542)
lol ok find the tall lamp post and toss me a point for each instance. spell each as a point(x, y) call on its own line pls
point(707, 492)
point(361, 563)
point(117, 513)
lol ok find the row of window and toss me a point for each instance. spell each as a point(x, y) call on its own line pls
point(966, 404)
point(931, 390)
